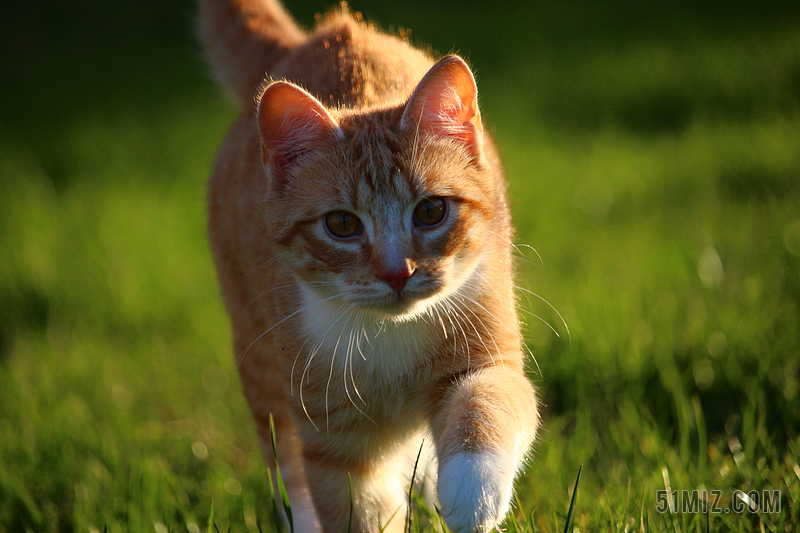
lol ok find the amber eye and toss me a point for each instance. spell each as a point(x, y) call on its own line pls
point(430, 212)
point(342, 224)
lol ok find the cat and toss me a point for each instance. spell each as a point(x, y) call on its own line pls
point(360, 227)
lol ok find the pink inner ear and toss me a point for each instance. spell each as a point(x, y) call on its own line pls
point(292, 123)
point(445, 103)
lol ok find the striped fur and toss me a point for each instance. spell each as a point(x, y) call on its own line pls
point(355, 366)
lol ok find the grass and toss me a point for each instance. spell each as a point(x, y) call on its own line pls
point(653, 155)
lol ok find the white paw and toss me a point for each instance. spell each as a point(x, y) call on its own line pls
point(474, 490)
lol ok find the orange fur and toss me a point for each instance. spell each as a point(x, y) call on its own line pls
point(359, 346)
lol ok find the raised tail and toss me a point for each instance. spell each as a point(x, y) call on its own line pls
point(244, 39)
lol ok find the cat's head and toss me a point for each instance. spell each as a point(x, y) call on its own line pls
point(386, 210)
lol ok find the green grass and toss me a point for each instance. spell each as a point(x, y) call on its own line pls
point(653, 156)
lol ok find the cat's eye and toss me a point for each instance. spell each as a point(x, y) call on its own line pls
point(430, 211)
point(342, 224)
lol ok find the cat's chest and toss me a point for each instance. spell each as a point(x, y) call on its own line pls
point(351, 368)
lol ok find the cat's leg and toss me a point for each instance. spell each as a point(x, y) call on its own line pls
point(304, 515)
point(483, 429)
point(379, 484)
point(262, 383)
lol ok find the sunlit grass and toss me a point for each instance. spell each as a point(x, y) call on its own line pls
point(669, 237)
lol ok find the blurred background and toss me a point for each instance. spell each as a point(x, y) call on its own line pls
point(653, 155)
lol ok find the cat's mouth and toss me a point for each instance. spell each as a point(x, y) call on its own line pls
point(406, 304)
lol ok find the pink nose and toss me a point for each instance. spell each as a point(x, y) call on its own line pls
point(397, 278)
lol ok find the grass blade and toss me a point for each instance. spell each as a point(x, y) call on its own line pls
point(287, 508)
point(210, 523)
point(439, 515)
point(350, 516)
point(411, 487)
point(276, 513)
point(627, 501)
point(532, 520)
point(572, 501)
point(642, 528)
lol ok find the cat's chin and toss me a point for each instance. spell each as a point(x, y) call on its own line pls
point(399, 309)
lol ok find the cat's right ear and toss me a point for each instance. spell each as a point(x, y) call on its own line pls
point(292, 123)
point(445, 104)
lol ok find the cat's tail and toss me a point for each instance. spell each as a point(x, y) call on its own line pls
point(244, 39)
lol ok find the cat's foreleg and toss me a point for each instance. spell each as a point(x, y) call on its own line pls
point(304, 516)
point(483, 430)
point(358, 494)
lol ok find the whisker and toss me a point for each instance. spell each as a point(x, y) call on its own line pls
point(305, 375)
point(349, 364)
point(297, 356)
point(551, 306)
point(522, 339)
point(489, 283)
point(348, 360)
point(517, 246)
point(358, 340)
point(360, 326)
point(540, 319)
point(456, 259)
point(449, 313)
point(333, 359)
point(291, 285)
point(291, 381)
point(429, 165)
point(381, 328)
point(441, 322)
point(244, 352)
point(262, 265)
point(488, 331)
point(415, 145)
point(477, 333)
point(449, 304)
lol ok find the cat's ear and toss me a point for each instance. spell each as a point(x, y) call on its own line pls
point(445, 104)
point(292, 123)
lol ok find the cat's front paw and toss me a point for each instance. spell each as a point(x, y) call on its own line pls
point(474, 490)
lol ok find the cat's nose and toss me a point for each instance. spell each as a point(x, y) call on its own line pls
point(397, 277)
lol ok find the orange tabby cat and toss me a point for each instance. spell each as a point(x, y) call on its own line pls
point(360, 227)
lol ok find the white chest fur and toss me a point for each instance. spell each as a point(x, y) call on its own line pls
point(354, 340)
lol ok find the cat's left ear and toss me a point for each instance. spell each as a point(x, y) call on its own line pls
point(445, 104)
